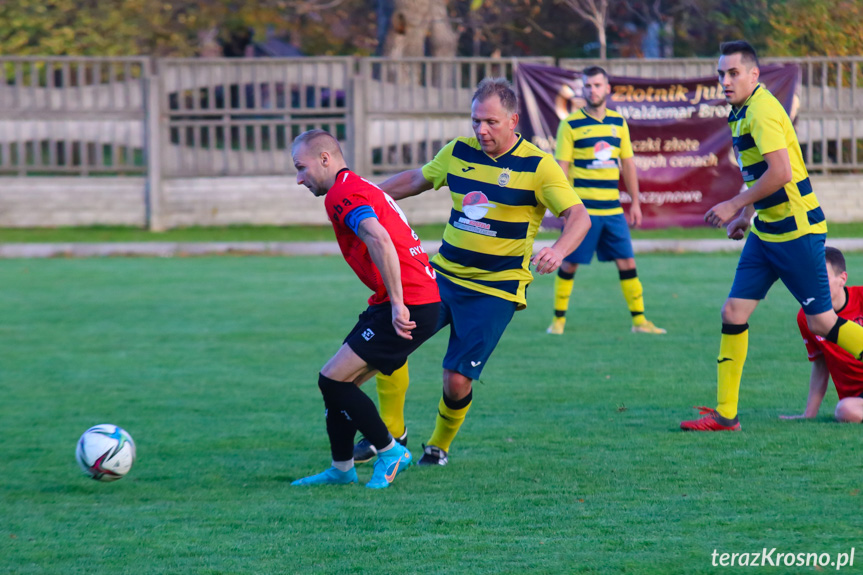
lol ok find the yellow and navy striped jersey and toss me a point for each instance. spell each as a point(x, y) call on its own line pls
point(497, 207)
point(592, 147)
point(759, 127)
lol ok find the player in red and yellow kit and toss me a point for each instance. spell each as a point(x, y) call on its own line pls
point(403, 311)
point(828, 359)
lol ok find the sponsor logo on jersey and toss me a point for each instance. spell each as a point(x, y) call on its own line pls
point(475, 205)
point(368, 334)
point(602, 151)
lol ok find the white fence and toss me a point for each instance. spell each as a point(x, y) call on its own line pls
point(191, 118)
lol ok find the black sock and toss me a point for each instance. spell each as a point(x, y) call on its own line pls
point(340, 426)
point(361, 411)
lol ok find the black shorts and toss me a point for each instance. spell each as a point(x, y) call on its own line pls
point(375, 340)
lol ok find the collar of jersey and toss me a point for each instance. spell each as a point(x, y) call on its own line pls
point(598, 121)
point(847, 299)
point(745, 104)
point(509, 151)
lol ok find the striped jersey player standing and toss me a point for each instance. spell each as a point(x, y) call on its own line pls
point(787, 240)
point(590, 142)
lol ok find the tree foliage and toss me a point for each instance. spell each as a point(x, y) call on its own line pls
point(816, 27)
point(482, 27)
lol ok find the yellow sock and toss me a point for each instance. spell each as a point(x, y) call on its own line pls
point(850, 338)
point(729, 367)
point(563, 283)
point(633, 293)
point(449, 420)
point(391, 399)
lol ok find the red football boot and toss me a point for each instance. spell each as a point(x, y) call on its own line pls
point(711, 421)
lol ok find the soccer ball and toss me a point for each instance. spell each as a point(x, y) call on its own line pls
point(105, 452)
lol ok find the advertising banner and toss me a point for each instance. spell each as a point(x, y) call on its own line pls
point(679, 131)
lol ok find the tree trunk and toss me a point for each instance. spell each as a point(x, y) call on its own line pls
point(413, 21)
point(442, 38)
point(603, 48)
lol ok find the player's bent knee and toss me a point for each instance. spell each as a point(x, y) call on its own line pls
point(737, 311)
point(850, 410)
point(456, 386)
point(625, 264)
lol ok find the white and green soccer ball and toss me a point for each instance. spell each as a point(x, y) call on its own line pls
point(105, 452)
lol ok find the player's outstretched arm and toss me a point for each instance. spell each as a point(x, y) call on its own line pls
point(818, 380)
point(576, 223)
point(383, 254)
point(406, 184)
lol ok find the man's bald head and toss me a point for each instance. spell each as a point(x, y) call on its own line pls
point(316, 142)
point(317, 158)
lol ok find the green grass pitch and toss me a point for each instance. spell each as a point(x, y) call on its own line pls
point(570, 460)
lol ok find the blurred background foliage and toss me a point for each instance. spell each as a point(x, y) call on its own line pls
point(635, 28)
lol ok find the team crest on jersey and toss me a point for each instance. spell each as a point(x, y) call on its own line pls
point(475, 205)
point(503, 178)
point(613, 132)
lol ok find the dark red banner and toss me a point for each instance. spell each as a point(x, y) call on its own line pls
point(679, 131)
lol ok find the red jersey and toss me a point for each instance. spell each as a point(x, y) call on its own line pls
point(846, 371)
point(418, 278)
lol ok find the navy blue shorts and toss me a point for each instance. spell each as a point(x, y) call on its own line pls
point(477, 322)
point(798, 263)
point(608, 237)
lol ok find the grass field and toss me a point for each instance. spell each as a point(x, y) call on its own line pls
point(569, 462)
point(310, 233)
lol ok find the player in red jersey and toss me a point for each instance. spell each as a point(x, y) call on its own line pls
point(828, 359)
point(387, 256)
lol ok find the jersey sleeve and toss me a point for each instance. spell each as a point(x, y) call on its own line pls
point(563, 150)
point(358, 214)
point(767, 129)
point(436, 171)
point(344, 199)
point(813, 347)
point(555, 192)
point(625, 142)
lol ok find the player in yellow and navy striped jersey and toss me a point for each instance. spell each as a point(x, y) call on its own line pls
point(590, 142)
point(501, 186)
point(788, 236)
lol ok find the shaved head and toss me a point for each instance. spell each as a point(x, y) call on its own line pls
point(317, 141)
point(317, 158)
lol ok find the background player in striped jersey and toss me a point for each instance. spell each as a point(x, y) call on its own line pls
point(828, 359)
point(589, 143)
point(386, 255)
point(501, 186)
point(788, 236)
